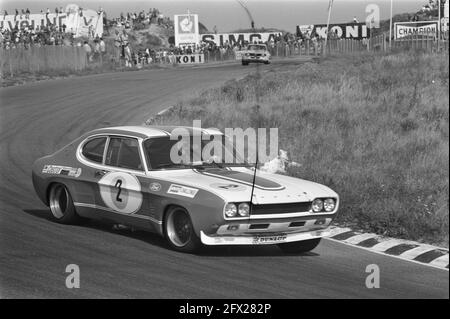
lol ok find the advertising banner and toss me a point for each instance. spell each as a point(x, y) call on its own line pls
point(32, 21)
point(340, 31)
point(189, 59)
point(444, 8)
point(83, 22)
point(186, 29)
point(221, 39)
point(415, 29)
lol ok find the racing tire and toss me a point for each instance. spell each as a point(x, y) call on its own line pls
point(179, 231)
point(61, 205)
point(244, 63)
point(300, 246)
point(267, 62)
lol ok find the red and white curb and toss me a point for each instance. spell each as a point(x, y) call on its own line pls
point(404, 249)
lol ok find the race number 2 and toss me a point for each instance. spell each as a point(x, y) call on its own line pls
point(118, 185)
point(121, 192)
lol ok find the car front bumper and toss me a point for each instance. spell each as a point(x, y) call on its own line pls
point(255, 59)
point(262, 238)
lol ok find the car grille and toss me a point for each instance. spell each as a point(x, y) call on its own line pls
point(264, 209)
point(255, 55)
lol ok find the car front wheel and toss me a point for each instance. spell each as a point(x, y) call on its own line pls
point(179, 231)
point(61, 205)
point(300, 246)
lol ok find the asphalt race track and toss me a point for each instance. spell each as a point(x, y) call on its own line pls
point(38, 118)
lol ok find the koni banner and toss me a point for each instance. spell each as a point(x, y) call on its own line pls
point(221, 39)
point(415, 29)
point(190, 59)
point(80, 22)
point(186, 29)
point(340, 31)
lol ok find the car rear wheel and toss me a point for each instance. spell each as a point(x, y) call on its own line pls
point(244, 63)
point(179, 231)
point(300, 246)
point(61, 205)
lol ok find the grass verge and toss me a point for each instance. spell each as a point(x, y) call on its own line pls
point(375, 128)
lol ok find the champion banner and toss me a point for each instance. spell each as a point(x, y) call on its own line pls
point(341, 31)
point(239, 38)
point(416, 29)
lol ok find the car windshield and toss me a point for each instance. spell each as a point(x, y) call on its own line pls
point(216, 150)
point(256, 47)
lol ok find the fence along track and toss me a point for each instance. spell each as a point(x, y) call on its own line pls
point(42, 59)
point(47, 59)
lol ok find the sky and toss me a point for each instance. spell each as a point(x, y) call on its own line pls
point(229, 15)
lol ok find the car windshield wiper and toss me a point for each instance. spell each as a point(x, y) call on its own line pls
point(178, 165)
point(223, 165)
point(213, 163)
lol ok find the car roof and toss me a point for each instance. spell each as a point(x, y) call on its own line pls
point(152, 131)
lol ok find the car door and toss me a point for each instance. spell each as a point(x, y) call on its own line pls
point(91, 154)
point(120, 186)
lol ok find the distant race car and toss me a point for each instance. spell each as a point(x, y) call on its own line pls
point(256, 53)
point(126, 175)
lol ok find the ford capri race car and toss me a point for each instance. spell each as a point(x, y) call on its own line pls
point(126, 175)
point(256, 53)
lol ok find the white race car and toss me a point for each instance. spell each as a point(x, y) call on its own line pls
point(125, 174)
point(256, 53)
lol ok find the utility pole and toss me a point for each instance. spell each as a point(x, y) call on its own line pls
point(439, 25)
point(390, 28)
point(330, 6)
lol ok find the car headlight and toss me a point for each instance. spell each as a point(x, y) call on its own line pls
point(244, 209)
point(329, 204)
point(230, 210)
point(317, 205)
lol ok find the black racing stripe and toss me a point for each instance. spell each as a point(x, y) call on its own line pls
point(242, 177)
point(400, 249)
point(429, 256)
point(343, 236)
point(370, 242)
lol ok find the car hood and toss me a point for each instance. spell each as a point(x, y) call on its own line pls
point(235, 185)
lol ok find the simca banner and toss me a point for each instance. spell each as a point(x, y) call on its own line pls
point(190, 59)
point(186, 29)
point(341, 31)
point(415, 29)
point(80, 22)
point(239, 38)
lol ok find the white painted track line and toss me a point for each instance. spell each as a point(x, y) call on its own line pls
point(359, 238)
point(338, 230)
point(440, 261)
point(385, 245)
point(413, 253)
point(392, 256)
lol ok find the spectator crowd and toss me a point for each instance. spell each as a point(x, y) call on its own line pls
point(120, 51)
point(141, 20)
